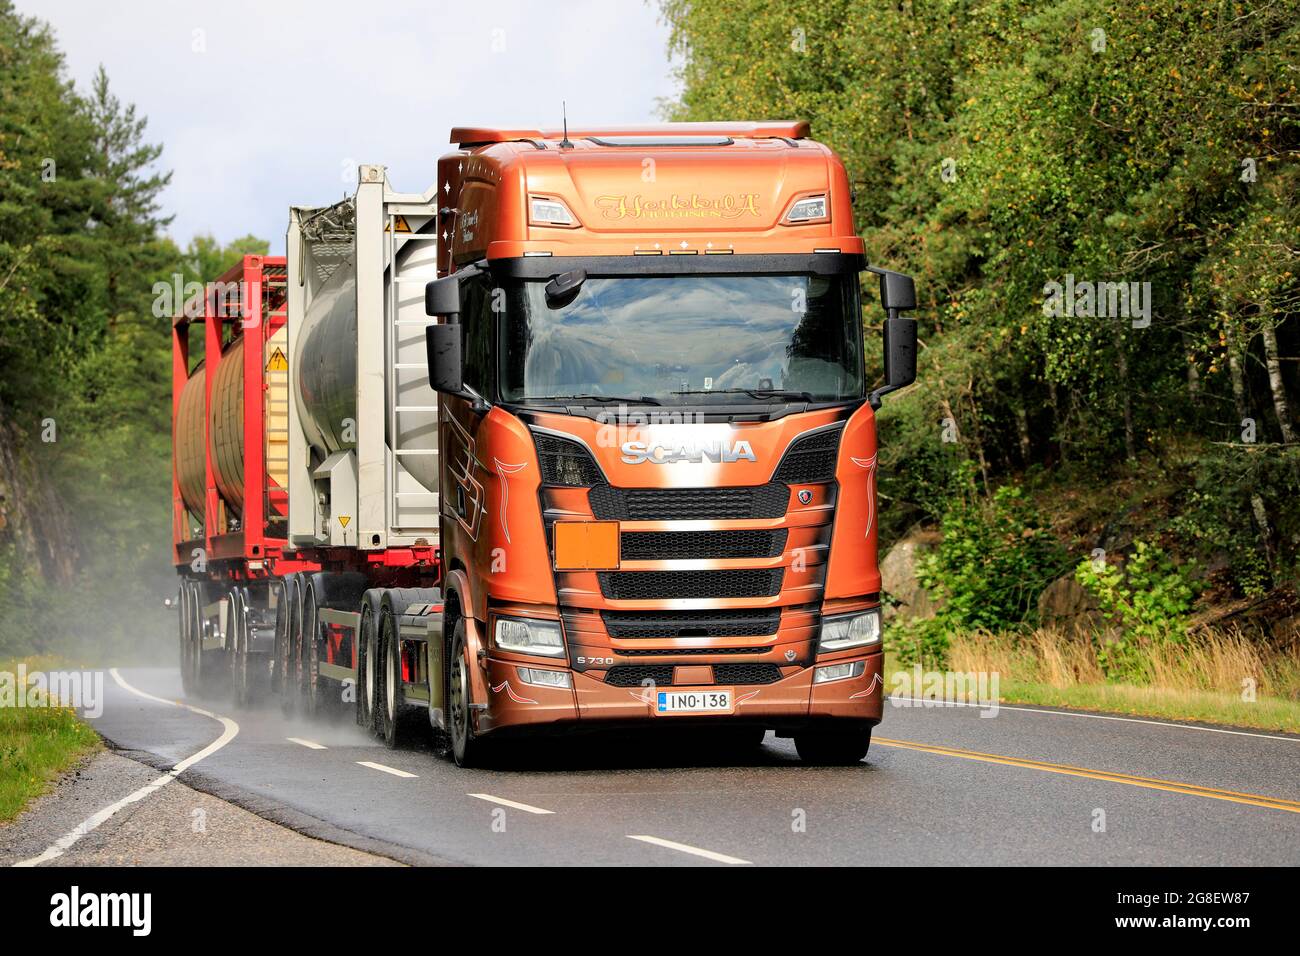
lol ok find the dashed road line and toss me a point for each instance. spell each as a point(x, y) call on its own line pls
point(309, 744)
point(508, 803)
point(93, 822)
point(693, 850)
point(1150, 783)
point(393, 770)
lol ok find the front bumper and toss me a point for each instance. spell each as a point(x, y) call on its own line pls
point(786, 704)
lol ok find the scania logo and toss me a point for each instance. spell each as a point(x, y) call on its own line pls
point(805, 496)
point(636, 452)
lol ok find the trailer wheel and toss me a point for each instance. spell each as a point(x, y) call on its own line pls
point(186, 629)
point(466, 748)
point(286, 664)
point(309, 689)
point(833, 748)
point(239, 679)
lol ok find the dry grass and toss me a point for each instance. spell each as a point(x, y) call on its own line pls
point(1215, 661)
point(1216, 676)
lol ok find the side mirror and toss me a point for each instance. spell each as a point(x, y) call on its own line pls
point(897, 295)
point(442, 347)
point(900, 351)
point(442, 297)
point(897, 292)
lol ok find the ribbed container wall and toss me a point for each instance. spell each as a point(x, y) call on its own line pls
point(187, 442)
point(227, 426)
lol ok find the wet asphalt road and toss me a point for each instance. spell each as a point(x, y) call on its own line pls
point(1023, 787)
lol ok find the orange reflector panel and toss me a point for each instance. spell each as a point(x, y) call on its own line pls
point(586, 546)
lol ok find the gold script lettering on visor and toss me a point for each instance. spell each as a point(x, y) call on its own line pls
point(677, 206)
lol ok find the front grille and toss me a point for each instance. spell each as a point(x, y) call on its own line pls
point(687, 651)
point(674, 545)
point(661, 675)
point(634, 675)
point(689, 504)
point(810, 459)
point(746, 673)
point(661, 585)
point(566, 462)
point(743, 623)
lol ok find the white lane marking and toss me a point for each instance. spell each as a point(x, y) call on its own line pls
point(393, 770)
point(508, 803)
point(91, 823)
point(1075, 713)
point(685, 848)
point(309, 744)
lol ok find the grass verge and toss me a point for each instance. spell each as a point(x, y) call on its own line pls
point(37, 745)
point(1215, 678)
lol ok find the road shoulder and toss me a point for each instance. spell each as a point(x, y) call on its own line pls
point(176, 826)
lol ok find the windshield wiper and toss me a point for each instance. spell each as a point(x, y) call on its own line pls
point(752, 392)
point(602, 399)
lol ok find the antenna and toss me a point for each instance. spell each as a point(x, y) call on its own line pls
point(564, 114)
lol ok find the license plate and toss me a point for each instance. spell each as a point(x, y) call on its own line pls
point(702, 701)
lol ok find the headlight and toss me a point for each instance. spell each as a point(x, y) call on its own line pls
point(850, 630)
point(527, 636)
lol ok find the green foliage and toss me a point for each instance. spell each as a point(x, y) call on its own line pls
point(84, 519)
point(1112, 156)
point(1148, 600)
point(994, 560)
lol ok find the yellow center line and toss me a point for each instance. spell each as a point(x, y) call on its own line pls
point(1150, 783)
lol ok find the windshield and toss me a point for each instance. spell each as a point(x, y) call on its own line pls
point(685, 340)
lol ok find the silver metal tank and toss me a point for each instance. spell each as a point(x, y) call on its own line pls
point(326, 367)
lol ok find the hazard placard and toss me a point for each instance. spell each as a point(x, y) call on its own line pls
point(277, 362)
point(399, 224)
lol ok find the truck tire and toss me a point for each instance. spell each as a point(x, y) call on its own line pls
point(466, 749)
point(833, 748)
point(240, 679)
point(286, 654)
point(368, 661)
point(395, 717)
point(309, 685)
point(187, 639)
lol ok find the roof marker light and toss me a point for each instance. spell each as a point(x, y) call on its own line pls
point(544, 211)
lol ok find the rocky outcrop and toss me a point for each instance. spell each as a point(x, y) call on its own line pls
point(1066, 606)
point(898, 577)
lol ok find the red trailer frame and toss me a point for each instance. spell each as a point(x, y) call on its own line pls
point(258, 311)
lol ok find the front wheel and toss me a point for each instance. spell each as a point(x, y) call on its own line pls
point(833, 748)
point(466, 748)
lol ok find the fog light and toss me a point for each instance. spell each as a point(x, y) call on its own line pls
point(824, 675)
point(542, 678)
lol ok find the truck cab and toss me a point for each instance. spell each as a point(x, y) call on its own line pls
point(657, 444)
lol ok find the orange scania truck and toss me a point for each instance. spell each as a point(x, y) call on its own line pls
point(625, 477)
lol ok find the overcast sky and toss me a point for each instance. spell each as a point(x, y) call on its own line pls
point(263, 105)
